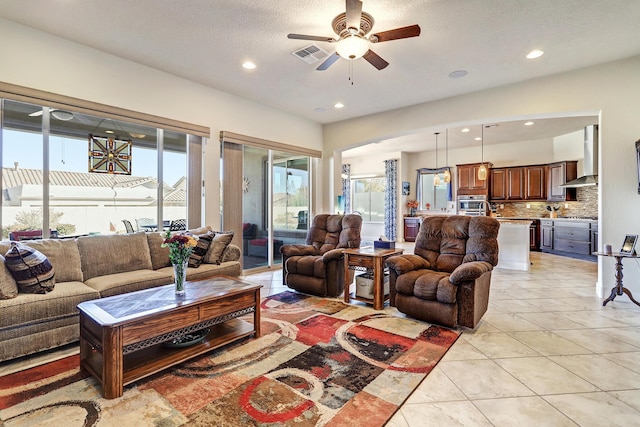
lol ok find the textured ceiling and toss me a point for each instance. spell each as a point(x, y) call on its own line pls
point(207, 41)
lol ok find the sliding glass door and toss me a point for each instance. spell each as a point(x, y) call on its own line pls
point(275, 204)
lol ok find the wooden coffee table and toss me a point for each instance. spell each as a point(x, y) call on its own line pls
point(123, 338)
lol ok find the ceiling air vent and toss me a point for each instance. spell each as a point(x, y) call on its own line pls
point(310, 54)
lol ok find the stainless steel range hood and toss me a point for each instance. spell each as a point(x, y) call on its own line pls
point(590, 163)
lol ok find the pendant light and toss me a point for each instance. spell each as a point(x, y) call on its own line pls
point(482, 172)
point(447, 174)
point(436, 178)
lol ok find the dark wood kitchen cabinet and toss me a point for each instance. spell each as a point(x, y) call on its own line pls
point(468, 182)
point(498, 179)
point(411, 228)
point(534, 235)
point(558, 174)
point(518, 183)
point(535, 179)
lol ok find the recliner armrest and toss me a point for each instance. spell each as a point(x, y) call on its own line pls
point(469, 271)
point(404, 263)
point(297, 250)
point(331, 255)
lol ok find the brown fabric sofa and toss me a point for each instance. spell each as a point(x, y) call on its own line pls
point(317, 267)
point(446, 281)
point(87, 268)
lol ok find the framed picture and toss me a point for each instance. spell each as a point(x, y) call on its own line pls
point(629, 244)
point(406, 188)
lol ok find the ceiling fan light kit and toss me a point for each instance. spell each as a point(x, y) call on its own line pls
point(353, 43)
point(352, 47)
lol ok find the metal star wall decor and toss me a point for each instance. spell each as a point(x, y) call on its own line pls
point(109, 155)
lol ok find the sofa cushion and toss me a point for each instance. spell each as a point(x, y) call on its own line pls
point(31, 270)
point(221, 240)
point(197, 256)
point(119, 253)
point(30, 309)
point(120, 283)
point(63, 254)
point(159, 255)
point(8, 286)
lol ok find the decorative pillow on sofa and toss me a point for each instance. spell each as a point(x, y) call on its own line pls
point(197, 256)
point(220, 242)
point(31, 270)
point(8, 287)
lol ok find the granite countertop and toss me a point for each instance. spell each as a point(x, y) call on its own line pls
point(546, 217)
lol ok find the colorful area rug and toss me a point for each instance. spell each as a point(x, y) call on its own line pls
point(319, 362)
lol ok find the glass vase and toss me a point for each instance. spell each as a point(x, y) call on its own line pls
point(180, 275)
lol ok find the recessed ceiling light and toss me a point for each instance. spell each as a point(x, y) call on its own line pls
point(528, 124)
point(338, 105)
point(465, 130)
point(477, 138)
point(457, 74)
point(137, 135)
point(535, 53)
point(249, 65)
point(108, 131)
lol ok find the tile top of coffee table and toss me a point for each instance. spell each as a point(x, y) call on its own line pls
point(133, 305)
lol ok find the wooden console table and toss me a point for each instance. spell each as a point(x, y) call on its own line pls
point(368, 259)
point(618, 289)
point(122, 337)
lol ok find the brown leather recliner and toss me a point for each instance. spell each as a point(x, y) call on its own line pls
point(446, 281)
point(317, 268)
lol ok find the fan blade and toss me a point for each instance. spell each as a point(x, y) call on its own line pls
point(36, 113)
point(314, 38)
point(375, 60)
point(354, 13)
point(398, 33)
point(328, 62)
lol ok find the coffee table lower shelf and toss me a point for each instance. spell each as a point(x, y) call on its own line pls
point(151, 360)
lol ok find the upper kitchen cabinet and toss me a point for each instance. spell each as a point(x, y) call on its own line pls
point(558, 174)
point(468, 182)
point(535, 180)
point(518, 183)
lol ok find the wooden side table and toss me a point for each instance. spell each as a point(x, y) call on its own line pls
point(618, 289)
point(368, 259)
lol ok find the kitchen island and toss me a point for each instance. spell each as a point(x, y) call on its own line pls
point(513, 244)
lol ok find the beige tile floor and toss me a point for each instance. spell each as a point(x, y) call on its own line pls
point(545, 354)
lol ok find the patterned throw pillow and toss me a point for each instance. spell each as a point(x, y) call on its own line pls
point(197, 256)
point(31, 270)
point(220, 242)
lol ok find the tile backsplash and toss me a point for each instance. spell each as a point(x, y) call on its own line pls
point(585, 206)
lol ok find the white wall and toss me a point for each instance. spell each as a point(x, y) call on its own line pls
point(609, 90)
point(569, 147)
point(37, 60)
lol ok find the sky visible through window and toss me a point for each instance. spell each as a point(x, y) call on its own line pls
point(71, 155)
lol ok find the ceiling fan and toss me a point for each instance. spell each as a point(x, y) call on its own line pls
point(58, 114)
point(353, 42)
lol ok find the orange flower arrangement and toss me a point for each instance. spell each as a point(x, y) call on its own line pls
point(413, 204)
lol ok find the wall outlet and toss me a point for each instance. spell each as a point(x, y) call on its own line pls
point(528, 205)
point(566, 205)
point(501, 205)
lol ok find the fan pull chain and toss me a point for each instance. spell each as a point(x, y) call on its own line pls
point(351, 72)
